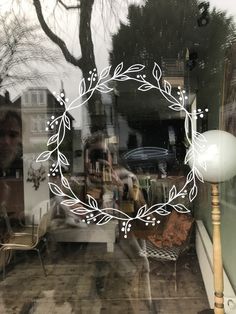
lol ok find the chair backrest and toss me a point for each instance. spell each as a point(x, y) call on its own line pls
point(43, 226)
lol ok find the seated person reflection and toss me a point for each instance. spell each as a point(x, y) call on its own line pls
point(10, 141)
point(110, 184)
point(10, 154)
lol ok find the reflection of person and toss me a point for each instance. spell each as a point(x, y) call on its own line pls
point(114, 186)
point(10, 139)
point(110, 183)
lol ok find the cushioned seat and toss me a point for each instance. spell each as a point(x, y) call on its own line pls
point(165, 253)
point(173, 241)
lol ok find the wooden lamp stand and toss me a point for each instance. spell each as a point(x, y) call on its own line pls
point(217, 253)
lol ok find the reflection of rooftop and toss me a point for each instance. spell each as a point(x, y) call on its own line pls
point(172, 67)
point(173, 71)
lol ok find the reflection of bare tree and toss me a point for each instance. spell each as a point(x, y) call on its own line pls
point(86, 62)
point(228, 114)
point(229, 108)
point(20, 48)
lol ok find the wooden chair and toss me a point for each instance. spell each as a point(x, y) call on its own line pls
point(163, 250)
point(24, 241)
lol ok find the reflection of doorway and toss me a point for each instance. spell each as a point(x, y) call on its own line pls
point(132, 141)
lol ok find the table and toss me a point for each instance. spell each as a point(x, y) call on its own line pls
point(93, 233)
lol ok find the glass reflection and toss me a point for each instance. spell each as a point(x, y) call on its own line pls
point(125, 147)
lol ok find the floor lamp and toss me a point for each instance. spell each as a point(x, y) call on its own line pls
point(219, 157)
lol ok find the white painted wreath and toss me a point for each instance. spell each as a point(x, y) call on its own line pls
point(101, 83)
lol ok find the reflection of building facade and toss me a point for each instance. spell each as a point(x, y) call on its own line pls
point(173, 71)
point(38, 106)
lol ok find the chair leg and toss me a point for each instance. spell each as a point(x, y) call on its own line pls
point(4, 265)
point(46, 245)
point(175, 275)
point(7, 254)
point(41, 262)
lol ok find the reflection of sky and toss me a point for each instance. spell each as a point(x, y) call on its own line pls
point(225, 5)
point(103, 25)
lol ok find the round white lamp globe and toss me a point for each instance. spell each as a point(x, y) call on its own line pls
point(218, 152)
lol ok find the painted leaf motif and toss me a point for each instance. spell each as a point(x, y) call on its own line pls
point(52, 139)
point(135, 68)
point(142, 210)
point(104, 220)
point(65, 182)
point(200, 137)
point(180, 208)
point(190, 176)
point(202, 163)
point(162, 211)
point(156, 71)
point(63, 159)
point(82, 87)
point(188, 156)
point(199, 175)
point(92, 202)
point(104, 88)
point(122, 78)
point(105, 72)
point(173, 192)
point(186, 125)
point(55, 189)
point(66, 121)
point(175, 107)
point(118, 69)
point(70, 202)
point(167, 87)
point(79, 211)
point(145, 87)
point(193, 193)
point(44, 156)
point(154, 207)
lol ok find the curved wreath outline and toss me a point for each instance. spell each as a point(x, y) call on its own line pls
point(100, 83)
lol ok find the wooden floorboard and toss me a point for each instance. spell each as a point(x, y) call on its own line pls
point(86, 279)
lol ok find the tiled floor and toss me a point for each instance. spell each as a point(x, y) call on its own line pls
point(86, 279)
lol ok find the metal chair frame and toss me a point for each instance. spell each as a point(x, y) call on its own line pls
point(166, 254)
point(23, 241)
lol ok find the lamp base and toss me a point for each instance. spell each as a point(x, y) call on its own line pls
point(207, 311)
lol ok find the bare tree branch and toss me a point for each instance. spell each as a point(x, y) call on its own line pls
point(87, 60)
point(21, 50)
point(54, 38)
point(69, 7)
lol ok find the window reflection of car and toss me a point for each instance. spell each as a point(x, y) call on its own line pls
point(148, 158)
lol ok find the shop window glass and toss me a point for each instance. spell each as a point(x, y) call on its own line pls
point(107, 104)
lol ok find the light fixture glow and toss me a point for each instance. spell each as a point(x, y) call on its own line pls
point(217, 158)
